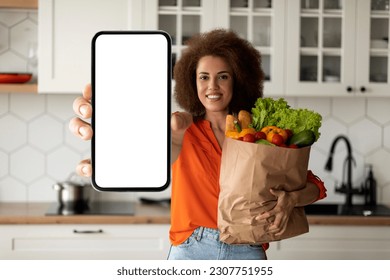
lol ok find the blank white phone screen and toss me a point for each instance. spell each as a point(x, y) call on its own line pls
point(131, 81)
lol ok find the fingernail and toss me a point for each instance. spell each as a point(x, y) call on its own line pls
point(84, 169)
point(82, 131)
point(83, 109)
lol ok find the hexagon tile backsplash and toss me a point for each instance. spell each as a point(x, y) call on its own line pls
point(37, 149)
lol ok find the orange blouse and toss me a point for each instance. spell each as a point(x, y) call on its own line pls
point(195, 183)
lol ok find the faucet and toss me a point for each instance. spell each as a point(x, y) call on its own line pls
point(346, 187)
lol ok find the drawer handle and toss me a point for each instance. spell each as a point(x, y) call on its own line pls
point(87, 231)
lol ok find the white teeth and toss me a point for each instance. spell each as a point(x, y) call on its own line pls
point(213, 96)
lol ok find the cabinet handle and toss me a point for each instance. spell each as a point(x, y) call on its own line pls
point(349, 89)
point(362, 89)
point(87, 231)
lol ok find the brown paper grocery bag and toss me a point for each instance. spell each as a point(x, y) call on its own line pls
point(248, 172)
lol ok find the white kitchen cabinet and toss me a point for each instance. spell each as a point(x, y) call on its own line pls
point(324, 48)
point(259, 21)
point(335, 243)
point(66, 28)
point(372, 70)
point(84, 242)
point(337, 48)
point(308, 47)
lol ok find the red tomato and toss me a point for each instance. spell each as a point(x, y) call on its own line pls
point(260, 135)
point(289, 133)
point(293, 146)
point(240, 138)
point(271, 130)
point(277, 139)
point(249, 138)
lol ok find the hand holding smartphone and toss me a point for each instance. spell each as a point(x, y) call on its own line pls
point(131, 97)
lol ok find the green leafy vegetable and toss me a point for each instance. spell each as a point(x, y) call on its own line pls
point(268, 111)
point(263, 114)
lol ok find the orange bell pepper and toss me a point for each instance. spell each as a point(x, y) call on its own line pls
point(271, 130)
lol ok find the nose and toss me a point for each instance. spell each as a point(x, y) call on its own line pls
point(213, 84)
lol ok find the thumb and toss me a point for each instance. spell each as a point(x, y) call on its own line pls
point(276, 192)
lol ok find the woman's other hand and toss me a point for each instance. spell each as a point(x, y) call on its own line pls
point(279, 215)
point(180, 121)
point(81, 128)
point(286, 201)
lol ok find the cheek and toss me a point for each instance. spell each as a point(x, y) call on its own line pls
point(199, 86)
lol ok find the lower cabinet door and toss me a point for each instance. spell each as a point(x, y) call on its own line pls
point(335, 243)
point(84, 242)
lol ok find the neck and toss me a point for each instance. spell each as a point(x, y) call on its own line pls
point(217, 120)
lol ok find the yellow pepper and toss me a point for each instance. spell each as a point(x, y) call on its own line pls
point(246, 131)
point(232, 134)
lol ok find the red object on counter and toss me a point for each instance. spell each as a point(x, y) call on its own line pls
point(14, 78)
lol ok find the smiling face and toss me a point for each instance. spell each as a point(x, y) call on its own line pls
point(214, 83)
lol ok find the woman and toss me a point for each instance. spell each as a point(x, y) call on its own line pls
point(218, 73)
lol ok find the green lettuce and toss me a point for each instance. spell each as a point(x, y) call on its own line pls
point(268, 111)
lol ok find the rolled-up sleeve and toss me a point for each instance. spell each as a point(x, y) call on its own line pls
point(318, 182)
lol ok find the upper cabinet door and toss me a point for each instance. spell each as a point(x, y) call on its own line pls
point(337, 48)
point(372, 44)
point(66, 28)
point(180, 18)
point(262, 22)
point(320, 48)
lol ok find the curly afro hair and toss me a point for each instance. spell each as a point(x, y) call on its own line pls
point(242, 57)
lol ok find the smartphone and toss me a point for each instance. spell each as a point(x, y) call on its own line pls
point(131, 99)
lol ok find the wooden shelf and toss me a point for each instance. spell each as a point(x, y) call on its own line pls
point(19, 4)
point(18, 88)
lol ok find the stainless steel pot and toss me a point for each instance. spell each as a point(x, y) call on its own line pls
point(73, 195)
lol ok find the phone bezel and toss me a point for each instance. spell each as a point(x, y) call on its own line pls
point(168, 116)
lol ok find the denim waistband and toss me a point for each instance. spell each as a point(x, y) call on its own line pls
point(204, 232)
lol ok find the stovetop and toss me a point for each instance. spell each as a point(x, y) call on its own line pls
point(94, 208)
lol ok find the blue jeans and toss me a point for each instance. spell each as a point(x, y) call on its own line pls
point(204, 244)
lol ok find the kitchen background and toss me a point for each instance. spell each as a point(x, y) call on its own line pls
point(37, 149)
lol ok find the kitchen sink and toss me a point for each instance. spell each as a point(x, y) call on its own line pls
point(334, 209)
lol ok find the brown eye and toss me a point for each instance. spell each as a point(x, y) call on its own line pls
point(224, 77)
